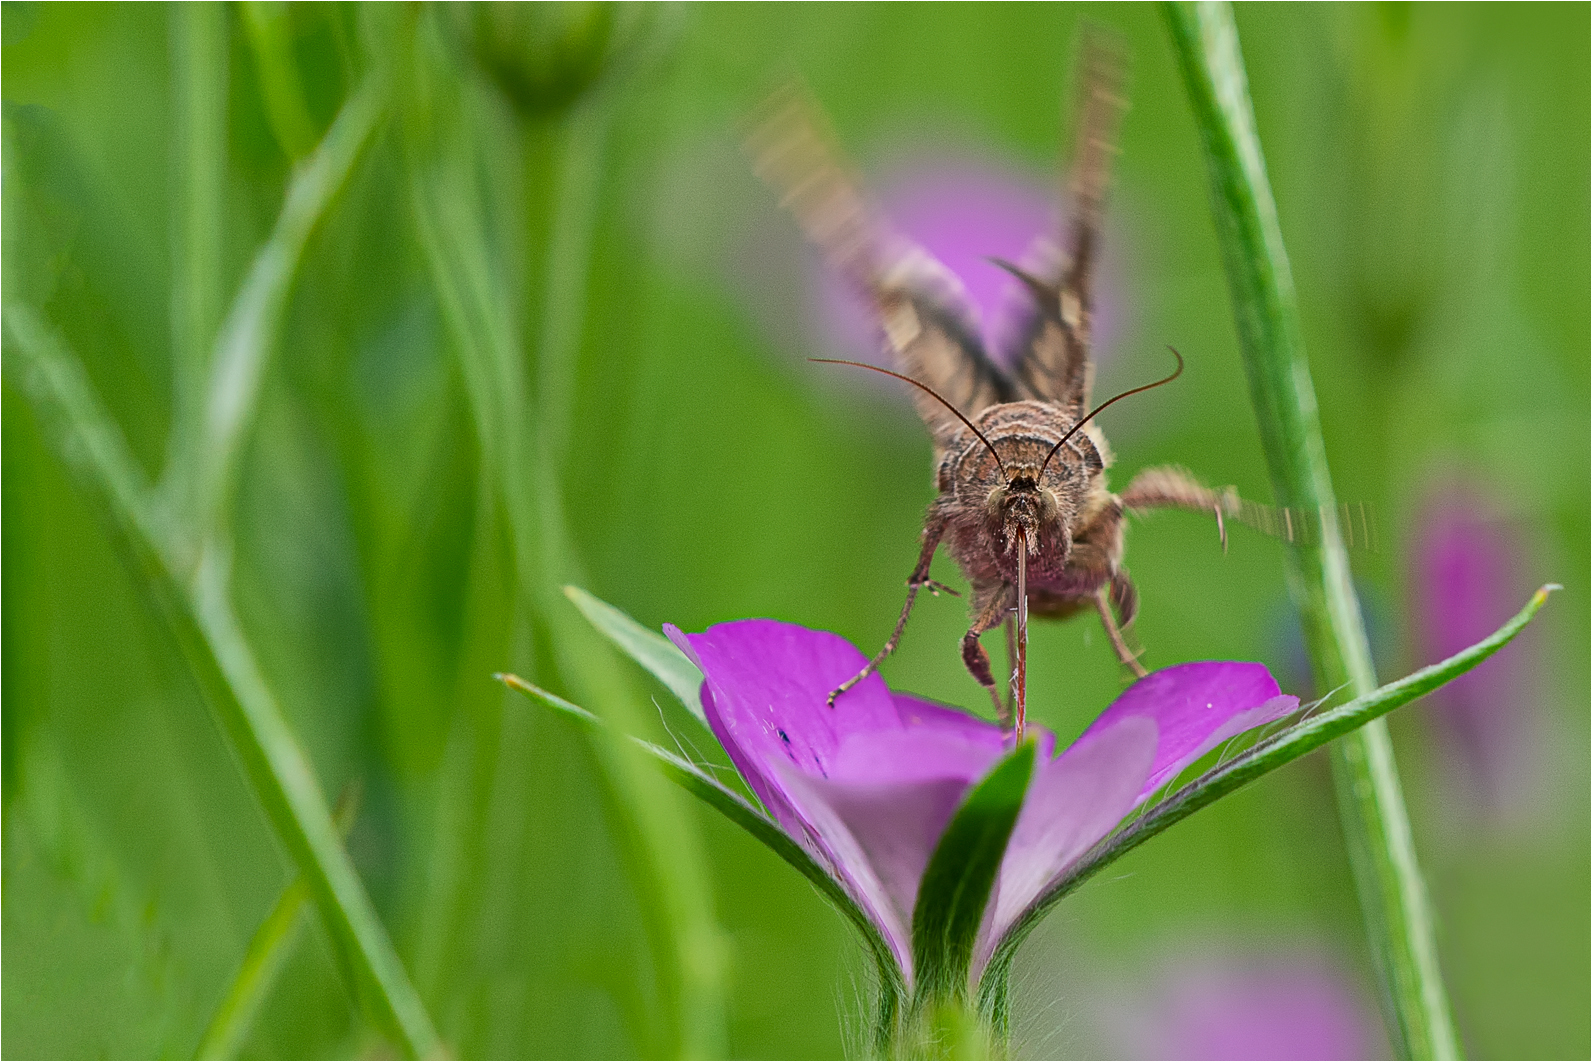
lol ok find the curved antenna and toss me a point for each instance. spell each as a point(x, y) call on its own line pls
point(926, 389)
point(1176, 373)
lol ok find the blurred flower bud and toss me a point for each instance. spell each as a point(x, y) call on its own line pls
point(544, 56)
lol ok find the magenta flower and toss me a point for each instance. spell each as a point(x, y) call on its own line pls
point(869, 787)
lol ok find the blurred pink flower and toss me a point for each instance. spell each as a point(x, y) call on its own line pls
point(964, 210)
point(1465, 574)
point(1280, 1004)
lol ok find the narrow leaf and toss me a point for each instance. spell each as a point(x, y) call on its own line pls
point(740, 811)
point(1264, 757)
point(962, 870)
point(646, 647)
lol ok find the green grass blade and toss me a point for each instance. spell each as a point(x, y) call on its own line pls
point(646, 647)
point(85, 437)
point(237, 365)
point(957, 882)
point(204, 627)
point(199, 47)
point(1394, 900)
point(268, 949)
point(271, 46)
point(741, 812)
point(1266, 756)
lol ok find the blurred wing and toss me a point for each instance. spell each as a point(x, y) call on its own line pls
point(923, 311)
point(1052, 362)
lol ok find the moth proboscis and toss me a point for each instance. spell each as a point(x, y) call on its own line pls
point(1023, 505)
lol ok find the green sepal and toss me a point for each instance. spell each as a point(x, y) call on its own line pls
point(961, 874)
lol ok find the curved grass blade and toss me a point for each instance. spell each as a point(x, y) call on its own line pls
point(249, 332)
point(1264, 757)
point(646, 647)
point(1394, 902)
point(741, 812)
point(956, 885)
point(205, 628)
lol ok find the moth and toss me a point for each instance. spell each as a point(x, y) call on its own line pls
point(1021, 467)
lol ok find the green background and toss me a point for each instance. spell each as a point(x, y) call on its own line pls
point(1431, 170)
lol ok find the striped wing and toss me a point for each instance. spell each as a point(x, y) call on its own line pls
point(924, 314)
point(1052, 362)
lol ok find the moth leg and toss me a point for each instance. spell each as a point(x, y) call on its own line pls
point(918, 580)
point(1170, 487)
point(996, 609)
point(1125, 598)
point(1103, 605)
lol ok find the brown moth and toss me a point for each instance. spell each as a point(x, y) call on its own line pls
point(1024, 506)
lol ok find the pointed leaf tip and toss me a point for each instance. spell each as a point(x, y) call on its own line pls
point(646, 647)
point(739, 811)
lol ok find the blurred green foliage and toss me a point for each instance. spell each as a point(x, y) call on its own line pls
point(1431, 169)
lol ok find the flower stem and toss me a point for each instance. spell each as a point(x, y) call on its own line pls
point(670, 873)
point(199, 59)
point(522, 421)
point(1372, 810)
point(947, 1029)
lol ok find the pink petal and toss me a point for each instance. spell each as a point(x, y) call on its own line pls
point(1196, 707)
point(1074, 802)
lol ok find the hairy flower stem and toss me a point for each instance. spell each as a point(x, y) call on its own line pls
point(946, 1029)
point(1377, 831)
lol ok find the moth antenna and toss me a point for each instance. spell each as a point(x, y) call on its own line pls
point(926, 389)
point(1176, 373)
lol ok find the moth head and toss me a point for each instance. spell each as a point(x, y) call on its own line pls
point(1023, 504)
